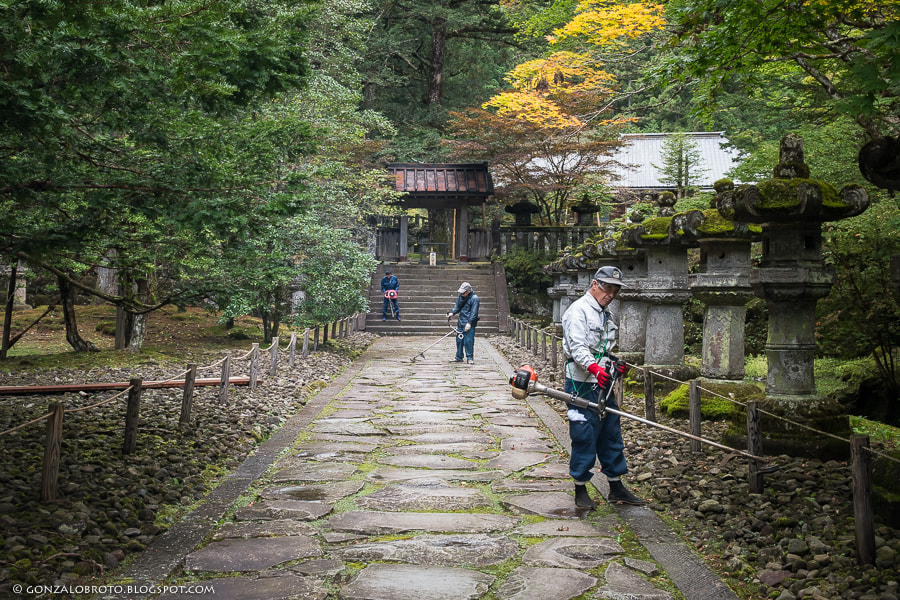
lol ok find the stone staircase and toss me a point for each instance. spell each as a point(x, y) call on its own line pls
point(427, 293)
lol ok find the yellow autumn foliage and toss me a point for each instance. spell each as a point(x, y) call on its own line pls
point(532, 107)
point(603, 23)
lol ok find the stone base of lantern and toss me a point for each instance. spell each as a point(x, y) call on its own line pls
point(632, 358)
point(666, 377)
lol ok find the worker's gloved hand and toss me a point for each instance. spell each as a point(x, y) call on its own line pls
point(601, 375)
point(621, 368)
point(467, 327)
point(449, 313)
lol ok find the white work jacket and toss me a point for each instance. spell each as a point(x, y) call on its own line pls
point(587, 327)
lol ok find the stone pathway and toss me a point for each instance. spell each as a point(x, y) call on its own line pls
point(422, 481)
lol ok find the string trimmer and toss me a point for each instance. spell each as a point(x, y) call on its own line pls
point(452, 331)
point(525, 382)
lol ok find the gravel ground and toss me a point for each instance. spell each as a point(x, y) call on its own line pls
point(111, 506)
point(796, 540)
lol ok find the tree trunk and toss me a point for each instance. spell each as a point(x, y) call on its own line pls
point(123, 328)
point(7, 316)
point(267, 335)
point(436, 74)
point(67, 302)
point(139, 320)
point(107, 280)
point(138, 329)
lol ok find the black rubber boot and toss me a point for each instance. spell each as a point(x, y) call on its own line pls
point(619, 494)
point(583, 498)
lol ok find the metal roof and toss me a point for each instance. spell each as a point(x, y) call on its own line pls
point(641, 151)
point(430, 182)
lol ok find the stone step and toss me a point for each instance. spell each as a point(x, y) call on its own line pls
point(426, 293)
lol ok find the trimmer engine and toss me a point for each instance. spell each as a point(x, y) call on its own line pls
point(521, 381)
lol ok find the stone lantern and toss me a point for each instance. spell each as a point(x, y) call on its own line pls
point(584, 211)
point(722, 284)
point(523, 209)
point(664, 291)
point(792, 277)
point(666, 202)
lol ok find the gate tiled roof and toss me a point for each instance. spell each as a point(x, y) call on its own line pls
point(427, 184)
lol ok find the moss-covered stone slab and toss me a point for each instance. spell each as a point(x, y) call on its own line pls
point(526, 428)
point(294, 470)
point(478, 550)
point(281, 587)
point(321, 492)
point(541, 583)
point(253, 554)
point(606, 527)
point(298, 510)
point(511, 461)
point(279, 528)
point(428, 461)
point(623, 583)
point(395, 474)
point(573, 553)
point(416, 582)
point(553, 505)
point(556, 470)
point(443, 437)
point(423, 495)
point(391, 523)
point(527, 444)
point(346, 427)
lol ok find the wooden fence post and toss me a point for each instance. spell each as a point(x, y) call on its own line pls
point(132, 416)
point(292, 349)
point(226, 377)
point(316, 339)
point(273, 361)
point(334, 330)
point(553, 360)
point(305, 343)
point(694, 413)
point(50, 472)
point(863, 507)
point(619, 390)
point(187, 399)
point(649, 399)
point(543, 345)
point(254, 365)
point(754, 446)
point(528, 330)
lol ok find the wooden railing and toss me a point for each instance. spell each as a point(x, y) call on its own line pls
point(308, 341)
point(538, 341)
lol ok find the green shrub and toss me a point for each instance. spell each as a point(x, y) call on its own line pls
point(524, 270)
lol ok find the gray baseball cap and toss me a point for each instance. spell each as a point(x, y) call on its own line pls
point(611, 275)
point(465, 287)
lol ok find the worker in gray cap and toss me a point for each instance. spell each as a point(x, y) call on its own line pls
point(467, 308)
point(589, 335)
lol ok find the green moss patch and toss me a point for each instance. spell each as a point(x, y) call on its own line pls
point(784, 193)
point(715, 399)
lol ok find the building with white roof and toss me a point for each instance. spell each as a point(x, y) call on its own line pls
point(639, 161)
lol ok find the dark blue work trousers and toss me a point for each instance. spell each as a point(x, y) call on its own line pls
point(393, 304)
point(594, 438)
point(466, 343)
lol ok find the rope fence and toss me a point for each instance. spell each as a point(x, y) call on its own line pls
point(526, 336)
point(186, 379)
